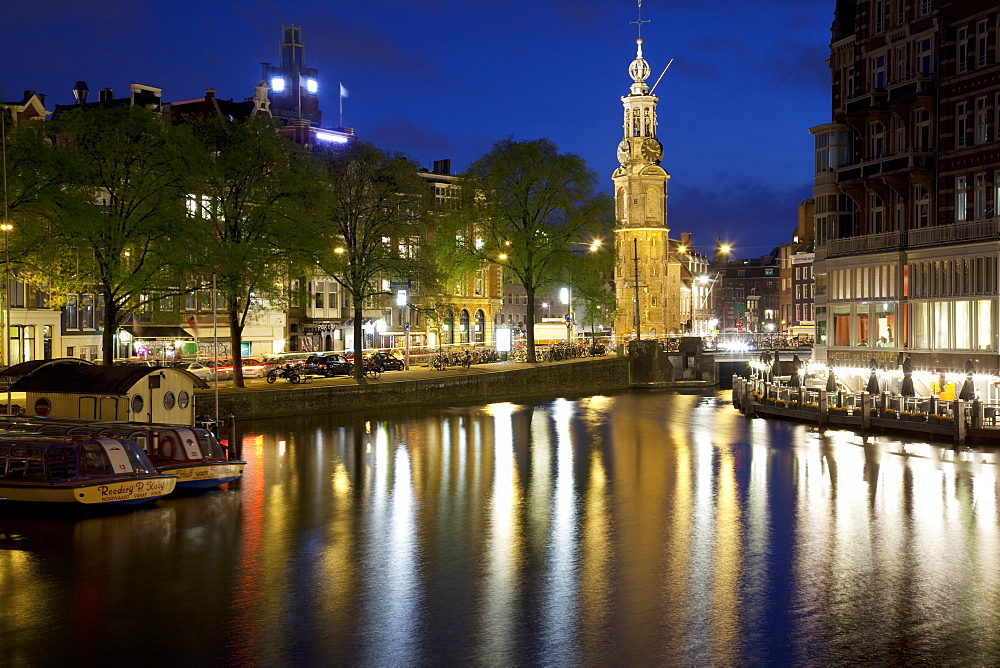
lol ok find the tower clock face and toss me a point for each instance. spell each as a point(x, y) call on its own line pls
point(623, 151)
point(652, 150)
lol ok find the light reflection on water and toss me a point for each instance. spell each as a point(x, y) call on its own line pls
point(637, 528)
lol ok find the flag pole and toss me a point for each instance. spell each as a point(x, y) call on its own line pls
point(341, 104)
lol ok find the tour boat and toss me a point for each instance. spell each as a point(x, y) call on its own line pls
point(193, 454)
point(99, 471)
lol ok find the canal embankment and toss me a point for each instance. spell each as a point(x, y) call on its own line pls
point(421, 386)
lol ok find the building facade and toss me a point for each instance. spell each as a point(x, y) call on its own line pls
point(907, 184)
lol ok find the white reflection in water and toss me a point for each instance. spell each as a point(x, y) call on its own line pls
point(561, 580)
point(503, 545)
point(393, 589)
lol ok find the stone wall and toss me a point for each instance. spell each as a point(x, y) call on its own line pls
point(563, 379)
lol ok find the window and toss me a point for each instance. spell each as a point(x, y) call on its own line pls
point(963, 49)
point(876, 131)
point(961, 123)
point(900, 12)
point(921, 207)
point(841, 327)
point(984, 324)
point(87, 312)
point(900, 61)
point(71, 312)
point(961, 199)
point(982, 131)
point(941, 317)
point(880, 16)
point(924, 55)
point(920, 338)
point(885, 326)
point(925, 7)
point(922, 134)
point(981, 49)
point(863, 332)
point(979, 197)
point(876, 214)
point(878, 72)
point(851, 88)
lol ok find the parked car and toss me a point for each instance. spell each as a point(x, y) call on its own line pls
point(203, 371)
point(328, 365)
point(388, 361)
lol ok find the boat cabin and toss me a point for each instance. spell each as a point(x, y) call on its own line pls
point(133, 393)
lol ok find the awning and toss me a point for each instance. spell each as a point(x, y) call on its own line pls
point(151, 332)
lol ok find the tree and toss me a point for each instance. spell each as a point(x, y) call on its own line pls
point(120, 209)
point(531, 204)
point(591, 273)
point(370, 225)
point(249, 190)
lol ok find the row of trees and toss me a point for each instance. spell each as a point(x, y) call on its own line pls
point(143, 207)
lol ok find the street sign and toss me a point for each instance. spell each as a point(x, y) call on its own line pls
point(406, 326)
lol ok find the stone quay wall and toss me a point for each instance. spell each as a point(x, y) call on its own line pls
point(585, 376)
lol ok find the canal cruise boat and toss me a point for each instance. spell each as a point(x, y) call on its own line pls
point(101, 471)
point(193, 454)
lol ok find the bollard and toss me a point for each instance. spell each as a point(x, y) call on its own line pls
point(866, 411)
point(824, 408)
point(235, 447)
point(977, 414)
point(959, 421)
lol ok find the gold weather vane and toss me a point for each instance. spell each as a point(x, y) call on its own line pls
point(640, 21)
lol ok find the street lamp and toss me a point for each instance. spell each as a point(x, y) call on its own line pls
point(7, 227)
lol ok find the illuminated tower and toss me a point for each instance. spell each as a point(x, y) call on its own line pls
point(294, 88)
point(647, 277)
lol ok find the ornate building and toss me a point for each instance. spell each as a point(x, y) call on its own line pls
point(647, 274)
point(907, 185)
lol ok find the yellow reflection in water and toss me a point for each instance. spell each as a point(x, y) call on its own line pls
point(728, 564)
point(503, 546)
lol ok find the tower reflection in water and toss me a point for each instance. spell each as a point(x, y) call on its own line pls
point(614, 529)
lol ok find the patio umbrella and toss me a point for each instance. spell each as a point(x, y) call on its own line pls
point(795, 380)
point(968, 392)
point(831, 382)
point(873, 386)
point(906, 389)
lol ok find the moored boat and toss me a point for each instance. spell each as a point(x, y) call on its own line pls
point(102, 471)
point(193, 454)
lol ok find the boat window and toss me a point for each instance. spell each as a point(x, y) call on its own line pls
point(95, 460)
point(43, 406)
point(62, 462)
point(209, 445)
point(140, 463)
point(26, 469)
point(137, 403)
point(168, 400)
point(182, 399)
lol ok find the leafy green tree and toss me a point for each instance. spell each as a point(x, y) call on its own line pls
point(114, 222)
point(591, 275)
point(370, 225)
point(249, 192)
point(530, 205)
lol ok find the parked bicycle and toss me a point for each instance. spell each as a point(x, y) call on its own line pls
point(372, 369)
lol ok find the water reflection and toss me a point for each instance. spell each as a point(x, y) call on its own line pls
point(629, 529)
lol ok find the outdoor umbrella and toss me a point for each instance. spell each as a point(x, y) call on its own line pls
point(831, 382)
point(795, 380)
point(873, 387)
point(906, 389)
point(968, 392)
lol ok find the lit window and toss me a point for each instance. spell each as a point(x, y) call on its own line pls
point(311, 86)
point(278, 85)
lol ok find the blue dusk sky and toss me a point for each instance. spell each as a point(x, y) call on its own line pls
point(441, 79)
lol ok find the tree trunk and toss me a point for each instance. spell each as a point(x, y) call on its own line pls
point(529, 323)
point(236, 345)
point(359, 342)
point(110, 325)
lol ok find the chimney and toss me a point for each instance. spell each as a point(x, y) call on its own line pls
point(209, 93)
point(106, 95)
point(80, 91)
point(442, 166)
point(686, 239)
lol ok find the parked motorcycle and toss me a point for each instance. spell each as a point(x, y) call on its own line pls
point(285, 371)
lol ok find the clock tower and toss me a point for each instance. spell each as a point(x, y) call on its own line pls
point(647, 276)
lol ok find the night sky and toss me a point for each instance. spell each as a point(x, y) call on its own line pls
point(438, 79)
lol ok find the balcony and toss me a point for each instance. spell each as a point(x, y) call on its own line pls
point(869, 243)
point(972, 230)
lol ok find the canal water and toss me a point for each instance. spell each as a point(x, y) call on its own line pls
point(631, 529)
